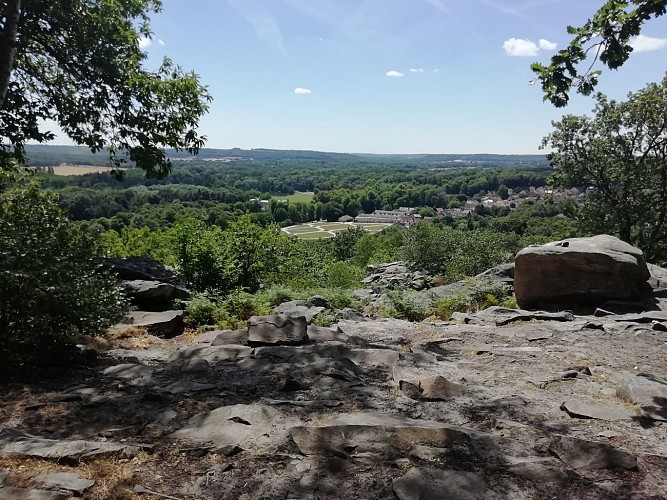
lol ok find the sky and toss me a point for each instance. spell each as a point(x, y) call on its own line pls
point(383, 76)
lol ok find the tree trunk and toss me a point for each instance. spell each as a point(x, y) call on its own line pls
point(7, 43)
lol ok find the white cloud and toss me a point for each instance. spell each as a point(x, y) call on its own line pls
point(144, 42)
point(642, 43)
point(518, 47)
point(160, 41)
point(394, 74)
point(416, 70)
point(436, 70)
point(302, 91)
point(547, 45)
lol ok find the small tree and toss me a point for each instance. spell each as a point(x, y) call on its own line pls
point(51, 285)
point(622, 153)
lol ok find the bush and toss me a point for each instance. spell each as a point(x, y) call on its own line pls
point(200, 311)
point(52, 287)
point(409, 305)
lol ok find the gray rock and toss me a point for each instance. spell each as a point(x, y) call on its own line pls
point(3, 475)
point(227, 337)
point(64, 481)
point(184, 387)
point(645, 317)
point(437, 484)
point(539, 333)
point(322, 334)
point(502, 316)
point(23, 494)
point(381, 433)
point(252, 426)
point(135, 373)
point(213, 354)
point(581, 409)
point(277, 329)
point(17, 443)
point(310, 313)
point(318, 301)
point(428, 386)
point(586, 270)
point(649, 392)
point(165, 417)
point(166, 324)
point(583, 454)
point(374, 356)
point(141, 268)
point(154, 292)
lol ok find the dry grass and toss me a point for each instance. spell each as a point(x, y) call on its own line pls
point(80, 169)
point(113, 477)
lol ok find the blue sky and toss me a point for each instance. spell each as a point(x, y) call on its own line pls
point(383, 76)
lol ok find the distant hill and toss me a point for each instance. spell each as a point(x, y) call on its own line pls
point(46, 155)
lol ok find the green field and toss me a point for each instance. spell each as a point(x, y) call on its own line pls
point(298, 197)
point(313, 236)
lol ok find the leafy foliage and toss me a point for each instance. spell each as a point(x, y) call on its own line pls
point(455, 253)
point(79, 63)
point(612, 27)
point(51, 285)
point(622, 153)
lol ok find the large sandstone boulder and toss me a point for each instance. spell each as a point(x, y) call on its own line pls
point(582, 270)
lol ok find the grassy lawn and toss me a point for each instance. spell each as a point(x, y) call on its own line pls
point(333, 226)
point(313, 236)
point(298, 197)
point(300, 229)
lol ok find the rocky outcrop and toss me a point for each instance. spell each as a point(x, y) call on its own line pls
point(395, 275)
point(510, 404)
point(579, 270)
point(152, 288)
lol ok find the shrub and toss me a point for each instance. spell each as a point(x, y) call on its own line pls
point(52, 287)
point(200, 311)
point(409, 305)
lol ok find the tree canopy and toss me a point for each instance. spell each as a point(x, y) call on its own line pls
point(79, 63)
point(622, 153)
point(606, 36)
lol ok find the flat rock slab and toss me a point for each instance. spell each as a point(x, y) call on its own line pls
point(501, 316)
point(154, 291)
point(649, 392)
point(382, 433)
point(277, 329)
point(645, 317)
point(374, 356)
point(436, 484)
point(23, 494)
point(246, 426)
point(321, 334)
point(538, 333)
point(580, 409)
point(17, 443)
point(583, 454)
point(228, 337)
point(211, 354)
point(136, 373)
point(184, 387)
point(166, 324)
point(64, 481)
